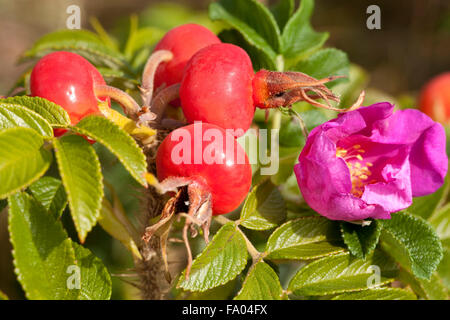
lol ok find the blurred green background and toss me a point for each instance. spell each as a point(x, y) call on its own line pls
point(412, 46)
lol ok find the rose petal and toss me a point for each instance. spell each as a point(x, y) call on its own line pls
point(395, 193)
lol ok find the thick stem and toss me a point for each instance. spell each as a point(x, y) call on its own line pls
point(128, 104)
point(148, 75)
point(192, 197)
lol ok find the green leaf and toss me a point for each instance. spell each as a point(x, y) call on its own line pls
point(444, 269)
point(221, 261)
point(3, 296)
point(260, 59)
point(252, 20)
point(325, 63)
point(42, 251)
point(378, 294)
point(140, 38)
point(79, 168)
point(413, 243)
point(95, 280)
point(53, 113)
point(261, 283)
point(264, 207)
point(13, 115)
point(299, 39)
point(361, 240)
point(23, 159)
point(82, 42)
point(169, 14)
point(350, 90)
point(117, 225)
point(282, 11)
point(424, 207)
point(223, 292)
point(291, 134)
point(288, 157)
point(48, 264)
point(120, 143)
point(304, 238)
point(427, 289)
point(343, 273)
point(49, 192)
point(441, 222)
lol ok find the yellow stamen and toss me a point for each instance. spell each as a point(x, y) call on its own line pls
point(359, 170)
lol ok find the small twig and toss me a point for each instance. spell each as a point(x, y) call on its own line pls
point(255, 254)
point(125, 275)
point(149, 73)
point(301, 122)
point(188, 250)
point(222, 220)
point(363, 223)
point(16, 91)
point(128, 104)
point(163, 98)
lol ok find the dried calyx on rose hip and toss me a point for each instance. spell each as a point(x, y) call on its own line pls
point(273, 89)
point(208, 172)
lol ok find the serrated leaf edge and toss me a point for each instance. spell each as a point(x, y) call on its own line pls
point(131, 141)
point(98, 172)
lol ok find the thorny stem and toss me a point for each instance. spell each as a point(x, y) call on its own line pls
point(128, 104)
point(149, 73)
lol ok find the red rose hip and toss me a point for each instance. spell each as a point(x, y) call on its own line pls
point(218, 166)
point(217, 88)
point(183, 41)
point(435, 98)
point(68, 80)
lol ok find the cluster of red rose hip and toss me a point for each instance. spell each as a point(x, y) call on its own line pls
point(217, 89)
point(216, 85)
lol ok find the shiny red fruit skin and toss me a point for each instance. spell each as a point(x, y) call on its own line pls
point(68, 80)
point(435, 98)
point(217, 87)
point(228, 182)
point(183, 41)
